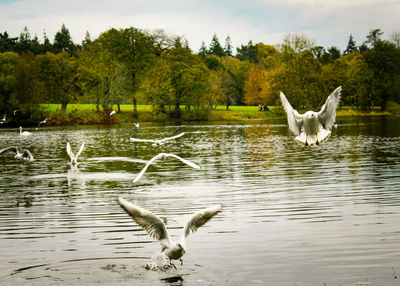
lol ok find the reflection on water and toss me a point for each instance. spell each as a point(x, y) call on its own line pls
point(292, 215)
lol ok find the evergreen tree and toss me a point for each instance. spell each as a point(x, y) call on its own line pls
point(87, 39)
point(63, 41)
point(351, 46)
point(215, 47)
point(335, 52)
point(203, 50)
point(228, 46)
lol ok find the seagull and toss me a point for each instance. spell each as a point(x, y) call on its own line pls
point(136, 125)
point(156, 228)
point(157, 142)
point(25, 155)
point(25, 133)
point(112, 112)
point(163, 156)
point(312, 128)
point(74, 158)
point(43, 122)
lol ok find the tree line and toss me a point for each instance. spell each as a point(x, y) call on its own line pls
point(151, 67)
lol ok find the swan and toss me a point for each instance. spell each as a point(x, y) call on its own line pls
point(163, 156)
point(74, 158)
point(25, 155)
point(158, 142)
point(25, 133)
point(156, 228)
point(112, 112)
point(312, 128)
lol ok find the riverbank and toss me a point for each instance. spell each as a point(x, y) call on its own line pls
point(81, 114)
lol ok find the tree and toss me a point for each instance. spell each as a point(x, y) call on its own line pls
point(257, 87)
point(215, 47)
point(384, 61)
point(374, 36)
point(351, 46)
point(7, 44)
point(334, 52)
point(104, 78)
point(395, 38)
point(247, 53)
point(228, 46)
point(59, 72)
point(63, 41)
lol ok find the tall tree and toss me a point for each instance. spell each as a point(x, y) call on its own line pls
point(63, 41)
point(228, 46)
point(351, 46)
point(215, 47)
point(60, 74)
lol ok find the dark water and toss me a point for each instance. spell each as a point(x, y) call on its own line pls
point(327, 215)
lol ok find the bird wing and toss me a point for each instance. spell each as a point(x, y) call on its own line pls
point(173, 137)
point(198, 219)
point(151, 223)
point(69, 151)
point(142, 140)
point(145, 167)
point(9, 150)
point(327, 114)
point(295, 120)
point(80, 150)
point(26, 154)
point(187, 162)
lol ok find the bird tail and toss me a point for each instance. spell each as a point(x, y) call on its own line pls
point(313, 139)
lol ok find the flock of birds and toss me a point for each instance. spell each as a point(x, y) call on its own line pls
point(310, 128)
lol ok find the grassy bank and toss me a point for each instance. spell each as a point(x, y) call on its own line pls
point(87, 114)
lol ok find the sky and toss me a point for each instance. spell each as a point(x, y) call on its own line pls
point(327, 22)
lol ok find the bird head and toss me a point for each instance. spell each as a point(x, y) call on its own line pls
point(310, 114)
point(180, 247)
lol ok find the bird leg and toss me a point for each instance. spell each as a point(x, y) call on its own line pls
point(170, 263)
point(181, 261)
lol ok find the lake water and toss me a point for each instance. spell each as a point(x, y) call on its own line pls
point(292, 215)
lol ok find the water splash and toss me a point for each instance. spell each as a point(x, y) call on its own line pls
point(158, 261)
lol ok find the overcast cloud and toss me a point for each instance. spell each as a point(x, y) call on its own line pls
point(328, 23)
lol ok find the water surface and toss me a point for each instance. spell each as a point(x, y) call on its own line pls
point(327, 215)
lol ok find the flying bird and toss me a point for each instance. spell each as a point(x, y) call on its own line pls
point(25, 155)
point(163, 156)
point(136, 125)
point(43, 122)
point(158, 142)
point(25, 133)
point(312, 128)
point(74, 158)
point(156, 228)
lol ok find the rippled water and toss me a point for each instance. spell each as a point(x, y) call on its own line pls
point(327, 215)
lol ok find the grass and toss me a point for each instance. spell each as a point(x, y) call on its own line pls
point(86, 113)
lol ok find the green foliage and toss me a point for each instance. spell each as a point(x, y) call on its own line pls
point(132, 66)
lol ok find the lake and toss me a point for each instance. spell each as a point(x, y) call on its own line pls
point(292, 215)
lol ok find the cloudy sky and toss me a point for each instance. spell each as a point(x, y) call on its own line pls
point(327, 22)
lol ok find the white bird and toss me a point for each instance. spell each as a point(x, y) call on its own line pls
point(163, 156)
point(312, 127)
point(158, 142)
point(156, 228)
point(25, 155)
point(74, 158)
point(3, 120)
point(112, 112)
point(43, 122)
point(15, 111)
point(136, 125)
point(25, 133)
